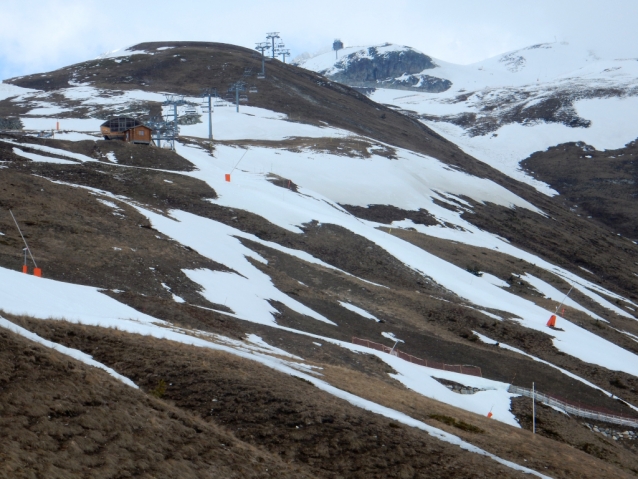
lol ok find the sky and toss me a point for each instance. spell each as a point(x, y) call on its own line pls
point(43, 35)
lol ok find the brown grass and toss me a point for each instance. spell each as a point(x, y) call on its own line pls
point(62, 419)
point(288, 418)
point(517, 445)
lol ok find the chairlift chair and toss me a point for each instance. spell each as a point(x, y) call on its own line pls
point(252, 89)
point(261, 76)
point(243, 98)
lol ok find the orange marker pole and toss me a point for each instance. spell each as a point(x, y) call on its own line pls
point(57, 125)
point(228, 177)
point(37, 272)
point(552, 321)
point(25, 269)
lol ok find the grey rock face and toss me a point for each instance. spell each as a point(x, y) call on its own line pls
point(401, 70)
point(11, 124)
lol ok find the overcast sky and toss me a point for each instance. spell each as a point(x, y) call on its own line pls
point(42, 35)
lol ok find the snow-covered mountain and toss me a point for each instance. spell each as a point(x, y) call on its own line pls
point(380, 66)
point(342, 218)
point(503, 109)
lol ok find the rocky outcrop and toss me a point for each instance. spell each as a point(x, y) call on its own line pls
point(380, 67)
point(11, 124)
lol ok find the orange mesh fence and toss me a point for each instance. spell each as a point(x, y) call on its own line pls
point(457, 368)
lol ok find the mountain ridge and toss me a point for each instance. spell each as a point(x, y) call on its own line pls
point(260, 283)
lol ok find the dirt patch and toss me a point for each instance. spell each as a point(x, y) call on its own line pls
point(76, 238)
point(560, 427)
point(386, 214)
point(564, 239)
point(597, 184)
point(62, 419)
point(351, 147)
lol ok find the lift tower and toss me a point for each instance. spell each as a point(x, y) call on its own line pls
point(262, 47)
point(272, 36)
point(237, 87)
point(208, 94)
point(284, 53)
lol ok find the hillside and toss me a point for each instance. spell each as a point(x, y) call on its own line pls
point(535, 101)
point(232, 306)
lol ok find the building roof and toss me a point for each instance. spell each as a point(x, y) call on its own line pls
point(121, 123)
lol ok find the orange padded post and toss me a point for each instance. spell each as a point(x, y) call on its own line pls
point(57, 125)
point(489, 415)
point(25, 269)
point(552, 321)
point(228, 177)
point(37, 272)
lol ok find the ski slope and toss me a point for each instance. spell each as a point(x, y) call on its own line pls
point(251, 191)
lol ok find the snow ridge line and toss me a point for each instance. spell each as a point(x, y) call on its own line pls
point(571, 409)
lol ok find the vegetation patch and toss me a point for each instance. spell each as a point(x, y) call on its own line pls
point(450, 421)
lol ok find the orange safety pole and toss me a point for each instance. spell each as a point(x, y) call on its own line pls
point(227, 177)
point(552, 321)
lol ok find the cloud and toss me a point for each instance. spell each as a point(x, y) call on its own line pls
point(40, 35)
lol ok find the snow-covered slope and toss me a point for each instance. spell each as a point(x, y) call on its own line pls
point(503, 109)
point(290, 245)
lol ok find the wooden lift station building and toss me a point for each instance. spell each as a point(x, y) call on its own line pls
point(126, 129)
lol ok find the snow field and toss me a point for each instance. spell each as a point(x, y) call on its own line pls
point(251, 192)
point(246, 290)
point(552, 293)
point(45, 298)
point(359, 311)
point(610, 129)
point(42, 159)
point(410, 183)
point(469, 234)
point(547, 63)
point(8, 91)
point(526, 76)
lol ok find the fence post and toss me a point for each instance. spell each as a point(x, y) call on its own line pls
point(533, 411)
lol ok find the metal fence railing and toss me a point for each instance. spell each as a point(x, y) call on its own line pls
point(574, 409)
point(457, 368)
